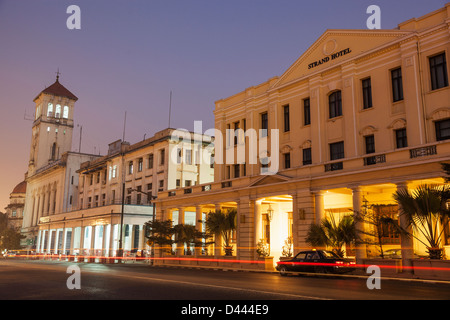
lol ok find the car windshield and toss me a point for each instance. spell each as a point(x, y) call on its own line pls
point(329, 255)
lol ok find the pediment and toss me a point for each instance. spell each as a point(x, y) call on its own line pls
point(270, 179)
point(335, 47)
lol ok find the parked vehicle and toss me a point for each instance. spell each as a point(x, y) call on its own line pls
point(317, 261)
point(11, 254)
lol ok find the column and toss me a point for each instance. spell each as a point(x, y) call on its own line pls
point(92, 249)
point(104, 239)
point(360, 249)
point(406, 242)
point(180, 246)
point(81, 249)
point(246, 241)
point(218, 237)
point(320, 210)
point(72, 241)
point(198, 227)
point(52, 201)
point(111, 240)
point(258, 221)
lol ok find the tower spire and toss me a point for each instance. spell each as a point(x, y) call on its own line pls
point(57, 74)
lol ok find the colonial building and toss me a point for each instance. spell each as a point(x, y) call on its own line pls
point(75, 203)
point(51, 178)
point(359, 115)
point(115, 194)
point(14, 210)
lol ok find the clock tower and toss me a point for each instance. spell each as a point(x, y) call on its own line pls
point(52, 127)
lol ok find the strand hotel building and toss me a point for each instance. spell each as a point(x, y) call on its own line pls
point(359, 115)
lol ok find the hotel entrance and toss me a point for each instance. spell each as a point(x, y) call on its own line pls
point(274, 226)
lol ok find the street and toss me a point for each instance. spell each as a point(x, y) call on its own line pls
point(42, 280)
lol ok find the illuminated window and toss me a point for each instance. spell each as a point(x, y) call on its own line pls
point(58, 111)
point(50, 110)
point(66, 112)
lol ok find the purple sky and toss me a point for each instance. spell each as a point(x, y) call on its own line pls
point(129, 55)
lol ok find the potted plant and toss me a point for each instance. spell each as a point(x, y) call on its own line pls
point(330, 233)
point(425, 210)
point(222, 223)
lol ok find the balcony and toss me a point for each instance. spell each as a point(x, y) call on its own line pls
point(334, 166)
point(368, 161)
point(422, 152)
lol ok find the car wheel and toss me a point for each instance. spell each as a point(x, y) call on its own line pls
point(283, 271)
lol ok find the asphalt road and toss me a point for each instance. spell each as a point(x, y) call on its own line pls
point(48, 280)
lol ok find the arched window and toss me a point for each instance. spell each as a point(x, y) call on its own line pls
point(53, 151)
point(50, 110)
point(58, 111)
point(66, 112)
point(335, 104)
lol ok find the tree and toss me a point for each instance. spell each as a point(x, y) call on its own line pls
point(330, 233)
point(222, 223)
point(9, 237)
point(188, 235)
point(381, 226)
point(425, 210)
point(160, 233)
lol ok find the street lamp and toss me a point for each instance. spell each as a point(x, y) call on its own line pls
point(270, 213)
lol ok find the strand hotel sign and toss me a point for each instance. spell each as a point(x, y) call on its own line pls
point(330, 56)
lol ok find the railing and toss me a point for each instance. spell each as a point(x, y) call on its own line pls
point(422, 152)
point(374, 159)
point(334, 166)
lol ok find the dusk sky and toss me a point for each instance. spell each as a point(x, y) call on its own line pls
point(129, 55)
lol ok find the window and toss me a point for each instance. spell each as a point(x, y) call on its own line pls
point(401, 138)
point(50, 110)
point(236, 132)
point(264, 124)
point(335, 104)
point(130, 167)
point(163, 156)
point(306, 112)
point(438, 71)
point(187, 183)
point(58, 111)
point(287, 160)
point(178, 183)
point(286, 118)
point(66, 112)
point(367, 93)
point(397, 84)
point(236, 169)
point(150, 161)
point(370, 144)
point(140, 164)
point(307, 159)
point(178, 155)
point(337, 150)
point(188, 156)
point(442, 129)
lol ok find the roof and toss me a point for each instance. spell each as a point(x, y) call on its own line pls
point(20, 188)
point(58, 89)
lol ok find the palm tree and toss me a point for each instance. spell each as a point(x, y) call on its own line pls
point(382, 225)
point(333, 234)
point(222, 223)
point(425, 210)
